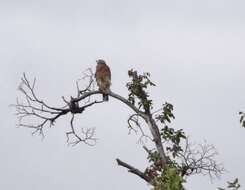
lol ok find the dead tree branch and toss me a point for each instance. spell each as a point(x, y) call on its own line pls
point(135, 126)
point(45, 115)
point(200, 159)
point(88, 135)
point(134, 170)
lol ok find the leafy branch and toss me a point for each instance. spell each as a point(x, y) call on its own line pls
point(234, 185)
point(242, 118)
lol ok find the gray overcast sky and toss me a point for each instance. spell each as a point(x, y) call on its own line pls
point(194, 50)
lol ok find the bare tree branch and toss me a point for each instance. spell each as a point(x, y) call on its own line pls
point(135, 125)
point(88, 135)
point(134, 170)
point(200, 159)
point(34, 108)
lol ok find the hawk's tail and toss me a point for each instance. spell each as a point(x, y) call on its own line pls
point(105, 97)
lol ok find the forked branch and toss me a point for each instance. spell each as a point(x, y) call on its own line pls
point(32, 108)
point(200, 159)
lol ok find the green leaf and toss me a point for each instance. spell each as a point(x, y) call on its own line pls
point(242, 118)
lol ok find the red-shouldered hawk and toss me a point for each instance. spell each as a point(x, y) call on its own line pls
point(103, 78)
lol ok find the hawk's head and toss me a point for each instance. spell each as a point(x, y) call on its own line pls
point(100, 61)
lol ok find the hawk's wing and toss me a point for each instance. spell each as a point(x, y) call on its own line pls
point(102, 71)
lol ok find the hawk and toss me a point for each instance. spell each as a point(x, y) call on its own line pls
point(103, 78)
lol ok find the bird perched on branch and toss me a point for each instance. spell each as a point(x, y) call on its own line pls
point(103, 78)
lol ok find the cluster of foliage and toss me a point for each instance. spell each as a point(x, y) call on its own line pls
point(232, 185)
point(169, 134)
point(167, 178)
point(137, 89)
point(242, 118)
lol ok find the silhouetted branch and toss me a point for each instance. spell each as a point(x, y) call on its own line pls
point(200, 159)
point(135, 125)
point(45, 115)
point(88, 135)
point(134, 170)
